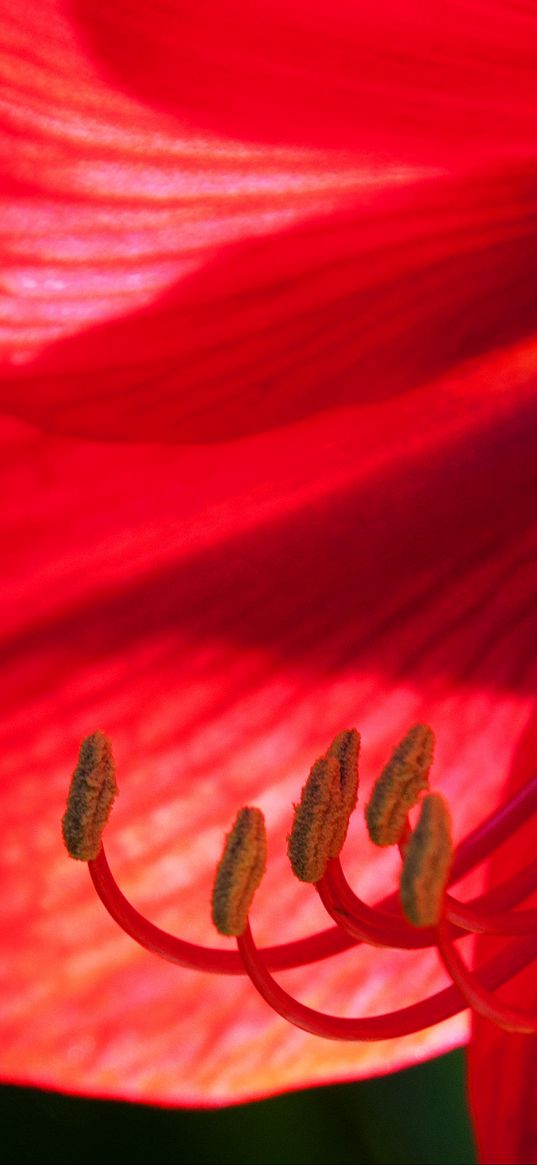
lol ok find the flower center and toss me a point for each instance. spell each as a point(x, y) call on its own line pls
point(423, 914)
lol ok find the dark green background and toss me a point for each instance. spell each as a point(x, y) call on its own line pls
point(413, 1116)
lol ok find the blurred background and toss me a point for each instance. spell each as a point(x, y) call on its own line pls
point(415, 1116)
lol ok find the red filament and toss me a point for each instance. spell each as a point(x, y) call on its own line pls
point(476, 993)
point(379, 925)
point(430, 1011)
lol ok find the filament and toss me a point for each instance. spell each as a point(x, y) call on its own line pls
point(512, 1019)
point(312, 949)
point(326, 943)
point(444, 1004)
point(374, 925)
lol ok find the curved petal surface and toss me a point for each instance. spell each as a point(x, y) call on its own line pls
point(356, 305)
point(223, 611)
point(180, 268)
point(389, 79)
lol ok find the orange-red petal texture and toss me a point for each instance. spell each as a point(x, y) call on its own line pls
point(189, 259)
point(218, 223)
point(221, 612)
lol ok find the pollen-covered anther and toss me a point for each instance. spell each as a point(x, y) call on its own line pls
point(91, 794)
point(345, 747)
point(239, 871)
point(322, 815)
point(427, 863)
point(400, 785)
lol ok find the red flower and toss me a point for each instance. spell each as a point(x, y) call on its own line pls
point(502, 1065)
point(269, 389)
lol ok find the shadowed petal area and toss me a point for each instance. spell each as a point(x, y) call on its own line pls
point(177, 276)
point(389, 78)
point(364, 302)
point(307, 237)
point(109, 207)
point(221, 612)
point(502, 1067)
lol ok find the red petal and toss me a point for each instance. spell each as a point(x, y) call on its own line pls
point(381, 298)
point(178, 278)
point(503, 1067)
point(388, 77)
point(189, 259)
point(222, 612)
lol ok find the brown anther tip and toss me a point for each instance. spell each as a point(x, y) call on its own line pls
point(326, 803)
point(345, 747)
point(427, 863)
point(91, 794)
point(239, 871)
point(399, 786)
point(313, 825)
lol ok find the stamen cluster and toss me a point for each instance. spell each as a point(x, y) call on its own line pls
point(422, 914)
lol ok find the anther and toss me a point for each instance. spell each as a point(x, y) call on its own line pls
point(326, 803)
point(427, 863)
point(91, 794)
point(399, 786)
point(345, 747)
point(239, 871)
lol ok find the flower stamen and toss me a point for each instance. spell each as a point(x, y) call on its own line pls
point(91, 795)
point(511, 1019)
point(345, 747)
point(405, 1021)
point(399, 786)
point(489, 913)
point(427, 861)
point(239, 871)
point(371, 924)
point(322, 815)
point(433, 917)
point(485, 921)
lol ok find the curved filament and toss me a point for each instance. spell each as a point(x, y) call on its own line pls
point(318, 946)
point(405, 1021)
point(339, 900)
point(512, 1019)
